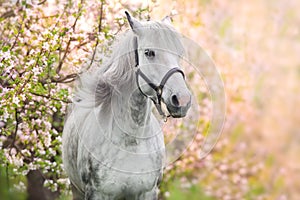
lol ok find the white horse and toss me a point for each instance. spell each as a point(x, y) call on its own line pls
point(113, 145)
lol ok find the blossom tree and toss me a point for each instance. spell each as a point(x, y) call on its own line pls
point(43, 46)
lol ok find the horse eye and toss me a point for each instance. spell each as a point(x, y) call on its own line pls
point(149, 53)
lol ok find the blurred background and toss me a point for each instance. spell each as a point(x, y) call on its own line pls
point(254, 44)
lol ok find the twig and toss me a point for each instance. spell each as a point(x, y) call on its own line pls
point(81, 44)
point(24, 84)
point(60, 16)
point(8, 14)
point(42, 2)
point(78, 16)
point(12, 144)
point(19, 150)
point(18, 34)
point(64, 79)
point(61, 62)
point(49, 97)
point(99, 31)
point(19, 31)
point(28, 79)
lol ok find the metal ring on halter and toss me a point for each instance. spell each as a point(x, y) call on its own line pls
point(157, 88)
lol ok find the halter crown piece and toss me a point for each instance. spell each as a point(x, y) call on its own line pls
point(157, 88)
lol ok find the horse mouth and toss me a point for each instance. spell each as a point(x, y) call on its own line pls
point(178, 112)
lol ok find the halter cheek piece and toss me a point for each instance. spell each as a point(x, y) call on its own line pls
point(157, 88)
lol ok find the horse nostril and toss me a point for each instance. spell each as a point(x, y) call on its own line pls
point(175, 101)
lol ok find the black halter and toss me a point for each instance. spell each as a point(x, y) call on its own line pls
point(157, 88)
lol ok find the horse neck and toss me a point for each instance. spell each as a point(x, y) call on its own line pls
point(140, 108)
point(131, 109)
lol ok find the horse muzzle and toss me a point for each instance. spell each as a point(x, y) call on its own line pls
point(178, 105)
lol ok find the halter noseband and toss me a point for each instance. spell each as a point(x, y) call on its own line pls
point(157, 88)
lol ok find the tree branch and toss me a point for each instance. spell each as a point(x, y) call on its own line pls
point(61, 62)
point(42, 2)
point(78, 16)
point(8, 14)
point(99, 31)
point(49, 97)
point(18, 34)
point(65, 79)
point(12, 144)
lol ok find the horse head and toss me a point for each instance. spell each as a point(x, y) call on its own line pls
point(158, 72)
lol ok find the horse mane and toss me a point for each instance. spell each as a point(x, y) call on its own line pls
point(95, 86)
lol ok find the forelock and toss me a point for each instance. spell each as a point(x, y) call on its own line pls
point(162, 36)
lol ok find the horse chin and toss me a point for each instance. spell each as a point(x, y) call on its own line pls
point(176, 115)
point(177, 112)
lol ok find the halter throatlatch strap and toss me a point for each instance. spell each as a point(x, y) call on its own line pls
point(136, 53)
point(157, 88)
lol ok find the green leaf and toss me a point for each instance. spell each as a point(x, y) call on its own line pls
point(5, 48)
point(39, 89)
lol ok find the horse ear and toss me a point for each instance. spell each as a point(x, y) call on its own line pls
point(134, 23)
point(167, 19)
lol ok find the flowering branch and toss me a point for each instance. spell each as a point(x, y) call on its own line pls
point(61, 62)
point(39, 54)
point(50, 97)
point(19, 31)
point(99, 31)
